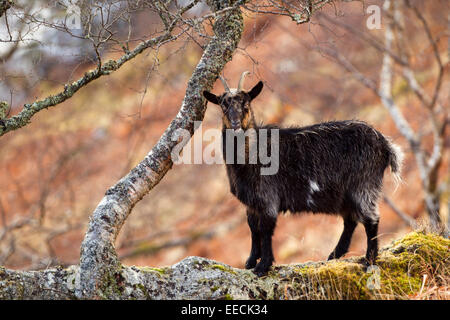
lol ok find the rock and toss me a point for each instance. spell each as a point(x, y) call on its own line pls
point(399, 274)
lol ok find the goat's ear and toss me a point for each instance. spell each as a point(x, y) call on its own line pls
point(211, 97)
point(256, 90)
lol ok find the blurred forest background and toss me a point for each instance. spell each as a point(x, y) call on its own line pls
point(55, 170)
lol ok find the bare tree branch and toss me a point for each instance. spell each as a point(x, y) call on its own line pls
point(299, 11)
point(144, 247)
point(29, 110)
point(406, 218)
point(437, 55)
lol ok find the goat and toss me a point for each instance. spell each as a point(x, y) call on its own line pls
point(332, 167)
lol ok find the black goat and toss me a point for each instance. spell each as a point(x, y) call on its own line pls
point(332, 167)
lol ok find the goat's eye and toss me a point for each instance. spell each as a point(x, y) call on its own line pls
point(225, 108)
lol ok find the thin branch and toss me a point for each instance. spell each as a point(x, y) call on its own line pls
point(406, 218)
point(299, 15)
point(400, 121)
point(435, 51)
point(366, 38)
point(148, 247)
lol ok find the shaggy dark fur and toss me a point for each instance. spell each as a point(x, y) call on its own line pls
point(333, 168)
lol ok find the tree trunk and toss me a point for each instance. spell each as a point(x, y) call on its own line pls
point(98, 261)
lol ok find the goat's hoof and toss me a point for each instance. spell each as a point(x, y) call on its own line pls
point(261, 269)
point(335, 255)
point(260, 273)
point(366, 263)
point(250, 264)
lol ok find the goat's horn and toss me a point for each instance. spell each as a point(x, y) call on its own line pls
point(225, 85)
point(241, 80)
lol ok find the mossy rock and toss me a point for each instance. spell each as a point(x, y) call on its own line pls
point(416, 266)
point(398, 274)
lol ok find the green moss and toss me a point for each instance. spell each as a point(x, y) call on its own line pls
point(111, 286)
point(398, 273)
point(227, 296)
point(416, 254)
point(425, 242)
point(144, 290)
point(337, 279)
point(159, 271)
point(222, 268)
point(214, 289)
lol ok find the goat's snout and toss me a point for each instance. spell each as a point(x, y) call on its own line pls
point(236, 125)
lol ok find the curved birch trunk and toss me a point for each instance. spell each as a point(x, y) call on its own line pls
point(98, 261)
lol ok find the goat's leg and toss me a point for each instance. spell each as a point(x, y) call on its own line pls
point(267, 224)
point(344, 240)
point(372, 241)
point(255, 253)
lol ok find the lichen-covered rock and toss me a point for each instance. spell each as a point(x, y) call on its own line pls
point(399, 274)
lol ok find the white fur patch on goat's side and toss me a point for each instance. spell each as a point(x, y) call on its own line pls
point(313, 186)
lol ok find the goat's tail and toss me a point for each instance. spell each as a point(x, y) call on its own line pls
point(395, 161)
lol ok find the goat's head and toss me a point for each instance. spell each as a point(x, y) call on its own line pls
point(235, 103)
